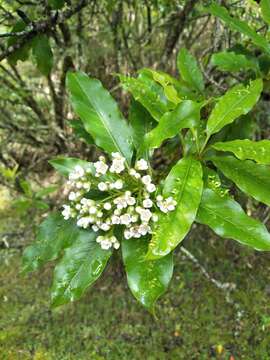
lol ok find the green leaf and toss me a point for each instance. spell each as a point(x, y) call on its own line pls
point(81, 265)
point(26, 187)
point(184, 183)
point(46, 191)
point(79, 130)
point(251, 178)
point(258, 151)
point(42, 53)
point(227, 219)
point(236, 102)
point(22, 53)
point(147, 280)
point(141, 122)
point(148, 93)
point(65, 165)
point(168, 83)
point(230, 61)
point(239, 25)
point(185, 115)
point(53, 236)
point(100, 114)
point(265, 8)
point(189, 70)
point(56, 4)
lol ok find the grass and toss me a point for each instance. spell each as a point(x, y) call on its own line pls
point(195, 320)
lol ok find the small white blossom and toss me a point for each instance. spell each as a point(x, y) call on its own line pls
point(147, 203)
point(102, 186)
point(95, 228)
point(125, 219)
point(146, 179)
point(105, 227)
point(92, 210)
point(118, 184)
point(115, 219)
point(144, 229)
point(151, 188)
point(106, 244)
point(101, 167)
point(72, 196)
point(66, 212)
point(141, 165)
point(107, 206)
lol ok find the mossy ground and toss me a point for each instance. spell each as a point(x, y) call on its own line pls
point(194, 319)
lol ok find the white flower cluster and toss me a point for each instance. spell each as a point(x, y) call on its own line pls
point(125, 198)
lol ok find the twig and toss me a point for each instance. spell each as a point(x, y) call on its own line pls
point(223, 286)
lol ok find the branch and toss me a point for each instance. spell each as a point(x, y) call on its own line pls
point(44, 27)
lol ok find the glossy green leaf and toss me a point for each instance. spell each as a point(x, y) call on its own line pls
point(53, 236)
point(148, 93)
point(46, 191)
point(251, 178)
point(22, 53)
point(56, 4)
point(185, 115)
point(81, 265)
point(79, 130)
point(141, 122)
point(265, 8)
point(65, 165)
point(236, 102)
point(227, 219)
point(168, 83)
point(100, 114)
point(230, 61)
point(42, 53)
point(239, 25)
point(189, 70)
point(147, 280)
point(258, 151)
point(184, 183)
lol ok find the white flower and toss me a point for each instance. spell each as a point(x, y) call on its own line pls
point(99, 239)
point(166, 205)
point(125, 219)
point(147, 203)
point(145, 214)
point(66, 212)
point(144, 229)
point(107, 206)
point(106, 244)
point(77, 173)
point(99, 214)
point(118, 165)
point(92, 210)
point(101, 167)
point(115, 219)
point(129, 199)
point(117, 212)
point(146, 179)
point(141, 165)
point(105, 227)
point(118, 184)
point(87, 186)
point(121, 203)
point(151, 188)
point(102, 186)
point(84, 222)
point(116, 245)
point(155, 217)
point(159, 198)
point(78, 206)
point(72, 196)
point(79, 185)
point(95, 228)
point(127, 234)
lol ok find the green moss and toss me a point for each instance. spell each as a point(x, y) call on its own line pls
point(195, 320)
